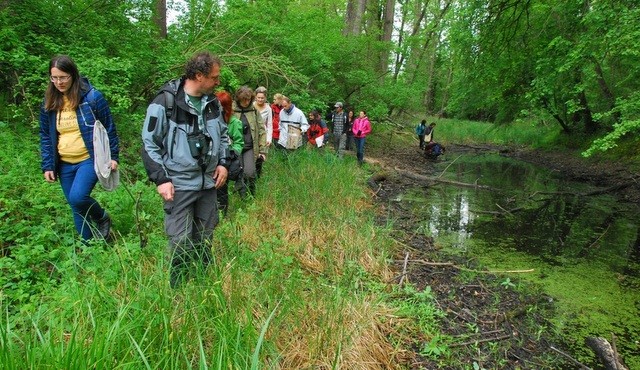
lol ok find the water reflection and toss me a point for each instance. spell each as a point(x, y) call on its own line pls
point(534, 211)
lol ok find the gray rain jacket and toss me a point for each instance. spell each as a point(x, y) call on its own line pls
point(165, 153)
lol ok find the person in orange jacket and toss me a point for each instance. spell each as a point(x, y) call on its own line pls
point(316, 134)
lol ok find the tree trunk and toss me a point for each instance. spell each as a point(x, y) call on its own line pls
point(583, 115)
point(387, 32)
point(446, 91)
point(428, 38)
point(400, 54)
point(563, 124)
point(430, 91)
point(606, 91)
point(353, 18)
point(416, 27)
point(160, 18)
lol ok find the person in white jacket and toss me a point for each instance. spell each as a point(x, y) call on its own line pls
point(293, 125)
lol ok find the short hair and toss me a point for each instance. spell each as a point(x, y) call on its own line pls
point(432, 124)
point(244, 92)
point(424, 121)
point(286, 98)
point(201, 62)
point(261, 89)
point(226, 101)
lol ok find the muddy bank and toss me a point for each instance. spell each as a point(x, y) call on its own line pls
point(488, 323)
point(622, 180)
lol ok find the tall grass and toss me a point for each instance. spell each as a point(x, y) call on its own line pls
point(522, 133)
point(297, 280)
point(519, 133)
point(542, 135)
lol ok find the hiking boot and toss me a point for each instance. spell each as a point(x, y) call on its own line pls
point(104, 227)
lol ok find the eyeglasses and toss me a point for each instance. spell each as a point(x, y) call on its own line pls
point(62, 79)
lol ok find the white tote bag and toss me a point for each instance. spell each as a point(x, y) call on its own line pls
point(102, 158)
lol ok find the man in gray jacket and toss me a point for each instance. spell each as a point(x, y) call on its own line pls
point(185, 153)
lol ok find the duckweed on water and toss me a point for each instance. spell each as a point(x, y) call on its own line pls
point(584, 250)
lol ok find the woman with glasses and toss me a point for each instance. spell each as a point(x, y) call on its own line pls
point(67, 117)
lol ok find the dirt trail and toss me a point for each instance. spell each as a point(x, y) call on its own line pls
point(492, 326)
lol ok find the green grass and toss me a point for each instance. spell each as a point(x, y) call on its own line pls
point(298, 278)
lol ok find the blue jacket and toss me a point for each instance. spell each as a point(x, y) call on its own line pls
point(92, 106)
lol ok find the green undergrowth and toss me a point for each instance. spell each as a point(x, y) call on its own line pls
point(299, 277)
point(521, 134)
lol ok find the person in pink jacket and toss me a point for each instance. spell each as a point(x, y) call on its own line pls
point(361, 128)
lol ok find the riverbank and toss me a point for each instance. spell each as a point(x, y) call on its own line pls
point(615, 177)
point(490, 318)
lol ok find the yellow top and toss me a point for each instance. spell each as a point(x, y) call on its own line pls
point(71, 147)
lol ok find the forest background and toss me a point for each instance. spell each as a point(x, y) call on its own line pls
point(571, 65)
point(567, 68)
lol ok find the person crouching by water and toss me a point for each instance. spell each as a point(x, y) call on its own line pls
point(316, 134)
point(361, 128)
point(67, 119)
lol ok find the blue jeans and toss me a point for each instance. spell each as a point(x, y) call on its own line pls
point(77, 181)
point(359, 148)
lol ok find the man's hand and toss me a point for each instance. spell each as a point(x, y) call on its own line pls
point(220, 176)
point(166, 190)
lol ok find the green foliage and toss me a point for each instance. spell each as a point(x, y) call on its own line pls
point(421, 306)
point(506, 283)
point(435, 348)
point(629, 111)
point(557, 63)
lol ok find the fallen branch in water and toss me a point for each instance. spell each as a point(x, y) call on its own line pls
point(576, 362)
point(404, 269)
point(502, 337)
point(451, 264)
point(606, 353)
point(449, 165)
point(431, 179)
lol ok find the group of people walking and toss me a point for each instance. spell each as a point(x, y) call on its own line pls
point(347, 130)
point(194, 140)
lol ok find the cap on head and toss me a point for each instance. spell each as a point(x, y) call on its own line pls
point(338, 105)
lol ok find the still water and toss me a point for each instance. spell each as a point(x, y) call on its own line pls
point(584, 249)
